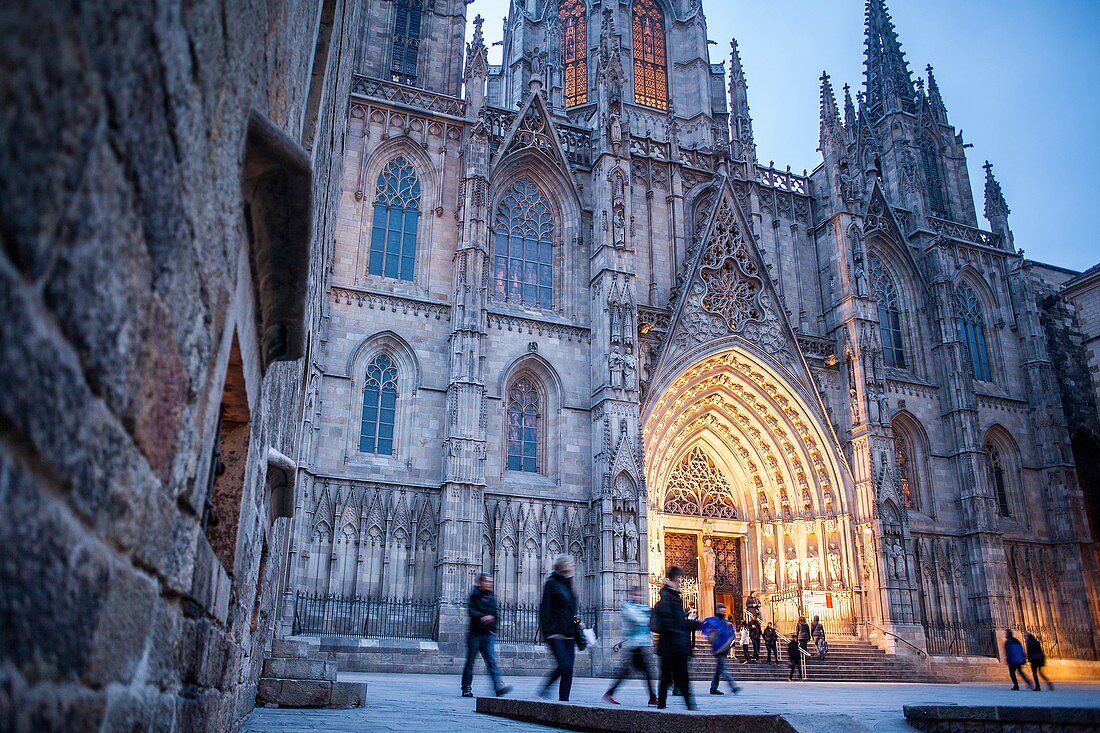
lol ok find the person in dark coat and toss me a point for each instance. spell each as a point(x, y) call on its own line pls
point(1015, 658)
point(560, 625)
point(771, 644)
point(794, 651)
point(817, 633)
point(674, 641)
point(802, 633)
point(480, 639)
point(1037, 658)
point(754, 636)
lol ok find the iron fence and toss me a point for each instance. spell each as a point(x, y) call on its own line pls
point(519, 622)
point(960, 640)
point(1062, 642)
point(316, 614)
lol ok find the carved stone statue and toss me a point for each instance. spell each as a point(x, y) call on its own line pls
point(617, 542)
point(769, 566)
point(792, 567)
point(708, 561)
point(631, 539)
point(615, 364)
point(833, 558)
point(615, 127)
point(897, 559)
point(630, 371)
point(813, 566)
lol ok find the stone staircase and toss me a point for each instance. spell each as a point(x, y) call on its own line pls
point(850, 659)
point(291, 679)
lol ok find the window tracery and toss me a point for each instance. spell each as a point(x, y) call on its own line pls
point(933, 182)
point(650, 71)
point(574, 51)
point(524, 425)
point(379, 406)
point(406, 39)
point(995, 466)
point(523, 256)
point(696, 487)
point(903, 451)
point(396, 218)
point(889, 314)
point(970, 319)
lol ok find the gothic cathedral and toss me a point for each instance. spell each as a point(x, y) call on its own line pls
point(568, 310)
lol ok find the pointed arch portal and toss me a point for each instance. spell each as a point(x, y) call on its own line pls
point(747, 489)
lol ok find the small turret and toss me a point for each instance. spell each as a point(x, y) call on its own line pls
point(939, 111)
point(831, 131)
point(996, 208)
point(849, 113)
point(477, 69)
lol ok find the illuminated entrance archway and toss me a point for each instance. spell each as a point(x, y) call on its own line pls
point(737, 462)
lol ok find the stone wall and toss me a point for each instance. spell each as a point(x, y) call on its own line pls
point(129, 318)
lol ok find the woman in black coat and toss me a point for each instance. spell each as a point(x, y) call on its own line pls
point(558, 620)
point(674, 628)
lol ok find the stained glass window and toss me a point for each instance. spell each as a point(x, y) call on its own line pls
point(650, 71)
point(970, 319)
point(523, 253)
point(524, 417)
point(996, 468)
point(396, 216)
point(379, 407)
point(933, 182)
point(697, 487)
point(406, 40)
point(574, 51)
point(889, 315)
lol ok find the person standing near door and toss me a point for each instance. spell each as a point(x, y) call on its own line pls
point(754, 637)
point(771, 641)
point(674, 628)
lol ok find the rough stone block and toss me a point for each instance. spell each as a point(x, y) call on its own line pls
point(290, 649)
point(300, 669)
point(348, 695)
point(294, 693)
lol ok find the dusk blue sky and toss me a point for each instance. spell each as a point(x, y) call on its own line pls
point(1019, 78)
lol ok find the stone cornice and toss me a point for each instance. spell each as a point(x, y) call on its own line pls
point(392, 303)
point(536, 327)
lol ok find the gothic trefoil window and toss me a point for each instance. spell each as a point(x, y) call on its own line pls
point(889, 315)
point(524, 417)
point(574, 51)
point(523, 250)
point(650, 71)
point(396, 217)
point(406, 40)
point(933, 181)
point(996, 469)
point(696, 487)
point(970, 319)
point(379, 407)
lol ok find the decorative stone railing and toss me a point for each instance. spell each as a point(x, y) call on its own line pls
point(964, 233)
point(364, 86)
point(783, 180)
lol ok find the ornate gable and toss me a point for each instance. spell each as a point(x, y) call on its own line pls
point(533, 130)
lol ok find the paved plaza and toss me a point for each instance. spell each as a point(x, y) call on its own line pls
point(398, 702)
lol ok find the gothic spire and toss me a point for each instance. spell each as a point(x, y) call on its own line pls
point(996, 208)
point(831, 128)
point(477, 69)
point(740, 119)
point(934, 98)
point(888, 80)
point(849, 110)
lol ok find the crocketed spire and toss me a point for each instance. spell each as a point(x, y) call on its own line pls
point(889, 84)
point(996, 208)
point(740, 119)
point(934, 98)
point(831, 128)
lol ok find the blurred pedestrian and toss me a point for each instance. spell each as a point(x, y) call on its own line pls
point(481, 636)
point(720, 632)
point(637, 638)
point(560, 626)
point(1015, 658)
point(1037, 658)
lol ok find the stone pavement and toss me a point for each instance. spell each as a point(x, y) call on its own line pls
point(397, 702)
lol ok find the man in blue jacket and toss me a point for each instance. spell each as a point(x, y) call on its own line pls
point(720, 632)
point(482, 609)
point(1015, 659)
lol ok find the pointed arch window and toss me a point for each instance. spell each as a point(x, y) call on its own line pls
point(406, 39)
point(650, 66)
point(995, 467)
point(524, 425)
point(696, 487)
point(970, 319)
point(903, 451)
point(523, 254)
point(574, 51)
point(379, 407)
point(933, 181)
point(396, 218)
point(889, 314)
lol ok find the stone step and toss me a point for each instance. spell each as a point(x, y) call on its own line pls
point(294, 693)
point(290, 649)
point(299, 669)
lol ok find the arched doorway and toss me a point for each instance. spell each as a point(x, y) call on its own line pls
point(746, 490)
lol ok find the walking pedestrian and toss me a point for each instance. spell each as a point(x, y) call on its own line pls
point(743, 640)
point(794, 651)
point(802, 633)
point(719, 631)
point(1015, 658)
point(1037, 658)
point(817, 633)
point(754, 637)
point(637, 638)
point(560, 625)
point(674, 627)
point(771, 642)
point(481, 636)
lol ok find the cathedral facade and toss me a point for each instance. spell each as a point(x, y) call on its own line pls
point(568, 310)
